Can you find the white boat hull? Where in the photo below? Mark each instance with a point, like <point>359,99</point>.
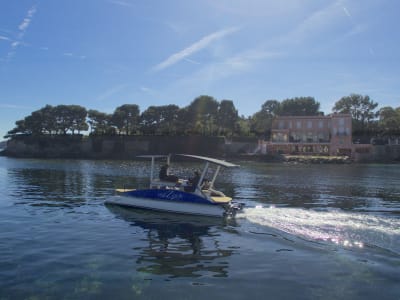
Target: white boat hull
<point>171,206</point>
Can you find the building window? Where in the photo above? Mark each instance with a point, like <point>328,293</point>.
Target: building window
<point>320,124</point>
<point>281,124</point>
<point>279,137</point>
<point>341,121</point>
<point>309,124</point>
<point>298,124</point>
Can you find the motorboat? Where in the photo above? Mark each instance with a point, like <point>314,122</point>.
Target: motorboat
<point>183,196</point>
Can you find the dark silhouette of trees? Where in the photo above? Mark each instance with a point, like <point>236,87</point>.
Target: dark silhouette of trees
<point>159,120</point>
<point>299,106</point>
<point>202,113</point>
<point>70,118</point>
<point>126,119</point>
<point>100,123</point>
<point>389,121</point>
<point>203,116</point>
<point>261,121</point>
<point>227,118</point>
<point>362,110</point>
<point>59,119</point>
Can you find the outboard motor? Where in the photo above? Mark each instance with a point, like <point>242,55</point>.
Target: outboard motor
<point>233,208</point>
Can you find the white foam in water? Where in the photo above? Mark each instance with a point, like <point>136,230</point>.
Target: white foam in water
<point>342,228</point>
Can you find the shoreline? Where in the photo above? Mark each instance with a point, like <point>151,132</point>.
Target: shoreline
<point>129,147</point>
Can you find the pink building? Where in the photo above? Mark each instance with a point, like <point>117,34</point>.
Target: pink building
<point>324,135</point>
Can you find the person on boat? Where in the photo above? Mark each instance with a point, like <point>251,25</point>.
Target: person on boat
<point>193,182</point>
<point>165,176</point>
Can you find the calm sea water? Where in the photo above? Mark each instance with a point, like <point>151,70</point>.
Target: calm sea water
<point>308,232</point>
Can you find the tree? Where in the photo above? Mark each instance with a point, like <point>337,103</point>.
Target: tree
<point>182,121</point>
<point>169,117</point>
<point>20,128</point>
<point>202,115</point>
<point>389,120</point>
<point>361,109</point>
<point>39,122</point>
<point>70,118</point>
<point>227,117</point>
<point>299,106</point>
<point>159,119</point>
<point>242,127</point>
<point>261,121</point>
<point>126,118</point>
<point>150,120</point>
<point>100,123</point>
<point>78,118</point>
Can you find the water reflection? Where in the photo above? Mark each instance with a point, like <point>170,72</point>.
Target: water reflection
<point>41,187</point>
<point>178,246</point>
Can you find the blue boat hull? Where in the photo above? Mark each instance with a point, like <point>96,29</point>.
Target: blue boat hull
<point>172,201</point>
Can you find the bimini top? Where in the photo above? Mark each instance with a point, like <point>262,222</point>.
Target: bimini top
<point>203,158</point>
<point>211,160</point>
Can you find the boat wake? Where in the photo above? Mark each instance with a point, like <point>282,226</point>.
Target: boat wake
<point>333,226</point>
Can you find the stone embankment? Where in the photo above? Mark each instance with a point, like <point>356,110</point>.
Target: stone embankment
<point>310,159</point>
<point>122,147</point>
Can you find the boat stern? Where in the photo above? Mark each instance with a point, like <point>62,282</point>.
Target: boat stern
<point>232,208</point>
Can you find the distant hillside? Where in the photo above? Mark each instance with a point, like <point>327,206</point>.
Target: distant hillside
<point>3,144</point>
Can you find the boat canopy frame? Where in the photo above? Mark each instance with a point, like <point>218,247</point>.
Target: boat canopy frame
<point>208,160</point>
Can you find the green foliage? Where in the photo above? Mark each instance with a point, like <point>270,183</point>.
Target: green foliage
<point>99,122</point>
<point>261,121</point>
<point>299,106</point>
<point>361,108</point>
<point>389,120</point>
<point>242,126</point>
<point>159,120</point>
<point>227,118</point>
<point>204,116</point>
<point>59,119</point>
<point>126,118</point>
<point>70,118</point>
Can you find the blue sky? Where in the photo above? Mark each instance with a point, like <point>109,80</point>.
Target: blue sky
<point>105,53</point>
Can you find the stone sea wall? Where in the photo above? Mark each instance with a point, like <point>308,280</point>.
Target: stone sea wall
<point>128,147</point>
<point>121,147</point>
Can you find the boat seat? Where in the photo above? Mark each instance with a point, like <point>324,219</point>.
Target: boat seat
<point>123,190</point>
<point>220,199</point>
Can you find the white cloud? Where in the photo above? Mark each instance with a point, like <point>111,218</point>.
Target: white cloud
<point>121,3</point>
<point>72,55</point>
<point>21,33</point>
<point>236,64</point>
<point>346,11</point>
<point>197,46</point>
<point>316,23</point>
<point>192,61</point>
<point>27,20</point>
<point>147,90</point>
<point>4,38</point>
<point>111,92</point>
